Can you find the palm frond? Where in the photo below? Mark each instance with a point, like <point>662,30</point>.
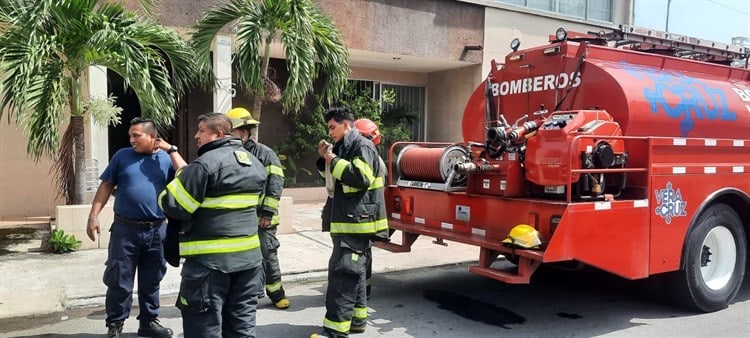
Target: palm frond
<point>332,55</point>
<point>46,46</point>
<point>297,39</point>
<point>209,25</point>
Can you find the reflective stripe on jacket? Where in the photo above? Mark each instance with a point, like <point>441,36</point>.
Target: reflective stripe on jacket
<point>216,197</point>
<point>358,203</point>
<point>269,201</point>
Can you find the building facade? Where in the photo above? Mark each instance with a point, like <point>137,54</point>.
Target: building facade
<point>436,51</point>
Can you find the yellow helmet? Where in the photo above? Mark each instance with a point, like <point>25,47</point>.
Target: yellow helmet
<point>525,236</point>
<point>241,117</point>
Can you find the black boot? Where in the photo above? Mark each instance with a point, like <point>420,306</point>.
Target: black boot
<point>114,330</point>
<point>150,327</point>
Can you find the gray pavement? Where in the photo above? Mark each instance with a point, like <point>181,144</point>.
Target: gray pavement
<point>33,283</point>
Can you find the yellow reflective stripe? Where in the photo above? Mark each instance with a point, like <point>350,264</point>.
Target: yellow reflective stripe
<point>183,198</point>
<point>275,170</point>
<point>275,220</point>
<point>359,228</point>
<point>374,184</point>
<point>378,182</point>
<point>349,189</point>
<point>271,202</point>
<point>342,327</point>
<point>271,288</point>
<point>233,201</point>
<point>217,246</point>
<point>158,199</point>
<point>360,312</point>
<point>338,169</point>
<point>364,168</point>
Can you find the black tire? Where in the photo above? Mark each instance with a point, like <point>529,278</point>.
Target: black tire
<point>714,261</point>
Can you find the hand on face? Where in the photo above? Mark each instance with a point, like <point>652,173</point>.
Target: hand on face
<point>324,147</point>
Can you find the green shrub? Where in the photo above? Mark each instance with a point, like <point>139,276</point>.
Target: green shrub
<point>60,243</point>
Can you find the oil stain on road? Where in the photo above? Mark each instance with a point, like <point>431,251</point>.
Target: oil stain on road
<point>474,309</point>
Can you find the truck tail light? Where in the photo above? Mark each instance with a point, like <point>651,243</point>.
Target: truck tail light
<point>408,205</point>
<point>403,205</point>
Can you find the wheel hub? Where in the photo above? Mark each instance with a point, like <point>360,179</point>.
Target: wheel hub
<point>718,257</point>
<point>705,256</point>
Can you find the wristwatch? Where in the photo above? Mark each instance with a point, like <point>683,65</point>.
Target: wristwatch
<point>172,149</point>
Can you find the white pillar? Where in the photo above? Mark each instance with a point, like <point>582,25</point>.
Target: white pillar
<point>224,91</point>
<point>98,135</point>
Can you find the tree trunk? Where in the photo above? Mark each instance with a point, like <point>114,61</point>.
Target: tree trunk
<point>79,190</point>
<point>257,104</point>
<point>260,95</point>
<point>79,142</point>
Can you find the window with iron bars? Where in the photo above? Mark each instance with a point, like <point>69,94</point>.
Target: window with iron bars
<point>600,10</point>
<point>410,98</point>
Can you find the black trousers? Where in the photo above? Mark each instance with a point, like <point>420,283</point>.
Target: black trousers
<point>218,304</point>
<point>346,297</point>
<point>269,246</point>
<point>134,249</point>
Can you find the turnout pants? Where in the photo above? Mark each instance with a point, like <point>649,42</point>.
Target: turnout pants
<point>269,245</point>
<point>134,248</point>
<point>218,304</point>
<point>346,298</point>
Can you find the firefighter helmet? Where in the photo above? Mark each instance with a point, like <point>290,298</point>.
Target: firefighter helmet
<point>241,117</point>
<point>523,235</point>
<point>368,129</point>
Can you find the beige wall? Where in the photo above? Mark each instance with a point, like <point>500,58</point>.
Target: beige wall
<point>398,26</point>
<point>447,93</point>
<point>26,188</point>
<point>401,78</point>
<point>502,26</point>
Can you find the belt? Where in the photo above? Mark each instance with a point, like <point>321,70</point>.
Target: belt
<point>139,224</point>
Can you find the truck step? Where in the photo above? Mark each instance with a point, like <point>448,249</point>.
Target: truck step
<point>519,275</point>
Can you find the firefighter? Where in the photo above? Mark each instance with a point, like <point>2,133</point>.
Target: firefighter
<point>355,215</point>
<point>268,209</point>
<point>216,197</point>
<point>370,131</point>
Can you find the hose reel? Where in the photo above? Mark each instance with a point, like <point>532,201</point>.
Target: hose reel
<point>431,167</point>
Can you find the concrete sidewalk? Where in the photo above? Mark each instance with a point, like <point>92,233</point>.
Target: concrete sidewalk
<point>39,283</point>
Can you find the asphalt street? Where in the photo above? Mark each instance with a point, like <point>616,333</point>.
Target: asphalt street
<point>448,301</point>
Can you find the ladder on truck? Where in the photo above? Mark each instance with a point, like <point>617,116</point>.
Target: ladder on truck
<point>665,43</point>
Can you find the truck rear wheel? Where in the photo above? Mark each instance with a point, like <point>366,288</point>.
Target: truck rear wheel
<point>714,261</point>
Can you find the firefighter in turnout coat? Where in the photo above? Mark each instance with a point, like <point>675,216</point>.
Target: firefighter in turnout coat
<point>268,209</point>
<point>355,215</point>
<point>216,197</point>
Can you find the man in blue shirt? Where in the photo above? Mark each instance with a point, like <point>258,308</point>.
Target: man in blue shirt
<point>139,173</point>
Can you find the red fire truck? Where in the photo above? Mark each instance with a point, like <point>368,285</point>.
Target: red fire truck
<point>628,151</point>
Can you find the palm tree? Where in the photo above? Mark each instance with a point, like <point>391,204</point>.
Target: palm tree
<point>46,46</point>
<point>312,45</point>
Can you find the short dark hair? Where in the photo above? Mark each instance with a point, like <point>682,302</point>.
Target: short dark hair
<point>340,114</point>
<point>147,124</point>
<point>217,122</point>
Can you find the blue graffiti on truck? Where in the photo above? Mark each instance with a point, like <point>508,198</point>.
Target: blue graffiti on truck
<point>682,97</point>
